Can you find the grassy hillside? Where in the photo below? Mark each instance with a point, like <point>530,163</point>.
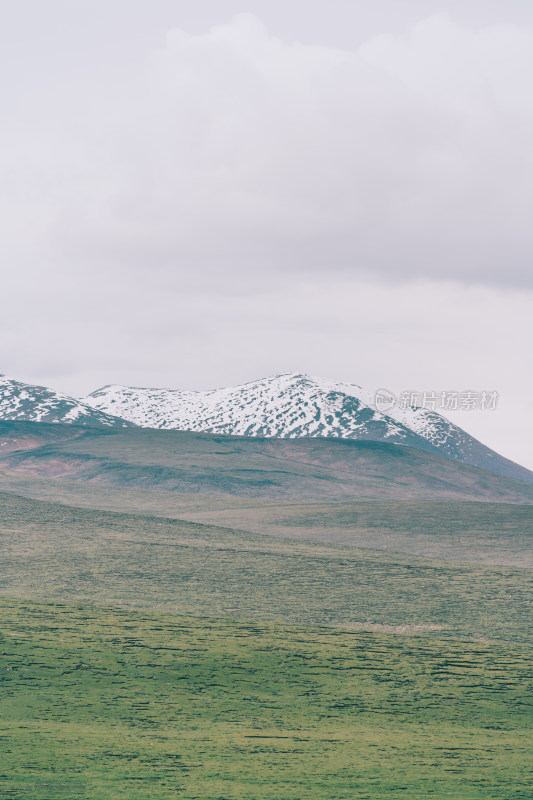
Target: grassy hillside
<point>476,532</point>
<point>109,705</point>
<point>280,469</point>
<point>356,493</point>
<point>80,555</point>
<point>481,533</point>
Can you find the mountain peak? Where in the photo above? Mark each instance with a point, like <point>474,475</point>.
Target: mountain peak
<point>26,402</point>
<point>288,405</point>
<point>292,405</point>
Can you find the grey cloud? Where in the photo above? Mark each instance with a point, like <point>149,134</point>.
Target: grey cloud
<point>234,150</point>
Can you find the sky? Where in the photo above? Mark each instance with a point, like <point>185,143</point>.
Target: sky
<point>199,195</point>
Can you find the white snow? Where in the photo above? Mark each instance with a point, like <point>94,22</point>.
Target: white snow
<point>20,401</point>
<point>287,405</point>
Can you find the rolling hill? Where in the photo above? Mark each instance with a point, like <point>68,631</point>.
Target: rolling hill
<point>246,467</point>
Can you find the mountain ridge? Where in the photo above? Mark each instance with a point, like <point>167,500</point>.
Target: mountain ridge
<point>293,405</point>
<point>290,405</point>
<point>32,403</point>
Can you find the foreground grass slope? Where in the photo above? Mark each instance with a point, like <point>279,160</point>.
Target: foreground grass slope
<point>106,704</point>
<point>79,555</point>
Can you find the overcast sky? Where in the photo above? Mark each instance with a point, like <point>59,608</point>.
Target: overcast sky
<point>200,194</point>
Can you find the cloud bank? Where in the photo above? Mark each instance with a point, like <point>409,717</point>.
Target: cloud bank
<point>235,153</point>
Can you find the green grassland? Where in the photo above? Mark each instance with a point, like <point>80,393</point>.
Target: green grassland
<point>106,704</point>
<point>211,618</point>
<point>480,533</point>
<point>55,552</point>
<point>475,532</point>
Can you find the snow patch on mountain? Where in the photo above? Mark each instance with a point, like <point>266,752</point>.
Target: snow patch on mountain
<point>21,401</point>
<point>288,405</point>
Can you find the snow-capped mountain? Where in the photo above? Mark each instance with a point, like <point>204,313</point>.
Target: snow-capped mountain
<point>22,401</point>
<point>284,406</point>
<point>294,405</point>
